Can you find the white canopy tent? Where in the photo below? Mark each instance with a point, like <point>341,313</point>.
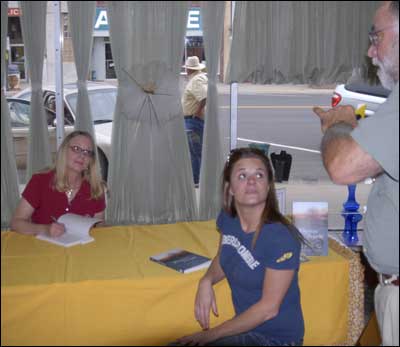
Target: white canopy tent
<point>272,42</point>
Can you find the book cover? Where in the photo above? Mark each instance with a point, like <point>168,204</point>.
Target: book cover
<point>281,197</point>
<point>76,230</point>
<point>182,260</point>
<point>311,218</point>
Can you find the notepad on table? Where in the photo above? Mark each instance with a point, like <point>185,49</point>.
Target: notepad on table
<point>76,230</point>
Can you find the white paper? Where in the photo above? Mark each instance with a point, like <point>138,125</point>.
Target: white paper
<point>76,230</point>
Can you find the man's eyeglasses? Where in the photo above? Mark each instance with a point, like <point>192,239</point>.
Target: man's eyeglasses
<point>85,152</point>
<point>376,36</point>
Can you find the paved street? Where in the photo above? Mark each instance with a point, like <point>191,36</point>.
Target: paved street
<point>286,122</point>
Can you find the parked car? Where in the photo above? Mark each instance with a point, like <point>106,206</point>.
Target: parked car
<point>358,94</point>
<point>102,100</point>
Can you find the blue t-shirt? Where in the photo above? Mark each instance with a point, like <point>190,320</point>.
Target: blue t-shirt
<point>244,267</point>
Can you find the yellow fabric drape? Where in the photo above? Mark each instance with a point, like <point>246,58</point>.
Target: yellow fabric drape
<point>108,292</point>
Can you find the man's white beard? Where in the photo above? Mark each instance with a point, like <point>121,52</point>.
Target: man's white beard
<point>387,70</point>
<point>387,81</point>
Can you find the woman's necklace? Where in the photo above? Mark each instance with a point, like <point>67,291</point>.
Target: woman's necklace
<point>69,193</point>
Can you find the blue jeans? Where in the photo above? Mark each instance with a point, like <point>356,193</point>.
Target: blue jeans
<point>194,131</point>
<point>252,339</point>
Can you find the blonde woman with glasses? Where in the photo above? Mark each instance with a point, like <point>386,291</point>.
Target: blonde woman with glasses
<point>73,185</point>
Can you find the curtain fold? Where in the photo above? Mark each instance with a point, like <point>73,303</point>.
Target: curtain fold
<point>9,175</point>
<point>316,42</point>
<point>150,176</point>
<point>212,157</point>
<point>33,22</point>
<point>82,16</point>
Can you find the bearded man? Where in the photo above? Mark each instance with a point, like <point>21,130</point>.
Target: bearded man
<point>355,150</point>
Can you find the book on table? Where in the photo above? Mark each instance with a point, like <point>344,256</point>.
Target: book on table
<point>311,218</point>
<point>76,230</point>
<point>181,260</point>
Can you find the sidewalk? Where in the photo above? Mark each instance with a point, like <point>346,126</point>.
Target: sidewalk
<point>249,88</point>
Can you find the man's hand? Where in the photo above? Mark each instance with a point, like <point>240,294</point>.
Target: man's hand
<point>335,115</point>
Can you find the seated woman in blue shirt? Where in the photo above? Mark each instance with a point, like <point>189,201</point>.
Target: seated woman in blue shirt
<point>259,255</point>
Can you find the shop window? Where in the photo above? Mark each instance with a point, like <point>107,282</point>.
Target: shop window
<point>193,46</point>
<point>110,67</point>
<point>14,30</point>
<point>17,57</point>
<point>66,26</point>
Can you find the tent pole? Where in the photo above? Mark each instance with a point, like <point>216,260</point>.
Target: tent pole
<point>234,98</point>
<point>58,43</point>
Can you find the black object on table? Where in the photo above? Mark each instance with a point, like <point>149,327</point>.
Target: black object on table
<point>281,163</point>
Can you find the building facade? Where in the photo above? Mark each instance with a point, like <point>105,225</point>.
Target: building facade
<point>102,65</point>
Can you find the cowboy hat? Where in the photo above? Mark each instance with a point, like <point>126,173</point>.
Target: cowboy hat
<point>193,63</point>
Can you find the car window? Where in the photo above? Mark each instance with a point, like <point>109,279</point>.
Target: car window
<point>49,100</point>
<point>19,114</point>
<point>102,104</point>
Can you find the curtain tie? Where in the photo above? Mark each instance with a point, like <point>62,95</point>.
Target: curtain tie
<point>149,87</point>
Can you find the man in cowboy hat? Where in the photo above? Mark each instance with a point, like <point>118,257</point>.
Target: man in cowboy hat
<point>193,102</point>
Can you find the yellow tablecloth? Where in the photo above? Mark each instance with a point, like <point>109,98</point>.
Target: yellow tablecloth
<point>108,292</point>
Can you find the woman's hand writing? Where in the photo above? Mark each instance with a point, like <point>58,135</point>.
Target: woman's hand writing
<point>56,229</point>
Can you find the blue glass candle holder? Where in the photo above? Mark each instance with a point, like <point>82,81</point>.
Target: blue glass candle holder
<point>351,217</point>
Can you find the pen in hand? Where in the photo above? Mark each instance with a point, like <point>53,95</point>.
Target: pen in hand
<point>58,230</point>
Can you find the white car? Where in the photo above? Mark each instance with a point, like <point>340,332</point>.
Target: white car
<point>359,94</point>
<point>102,99</point>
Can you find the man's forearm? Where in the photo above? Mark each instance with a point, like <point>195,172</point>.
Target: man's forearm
<point>335,148</point>
<point>337,131</point>
<point>344,160</point>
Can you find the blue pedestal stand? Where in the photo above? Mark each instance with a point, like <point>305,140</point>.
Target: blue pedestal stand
<point>351,217</point>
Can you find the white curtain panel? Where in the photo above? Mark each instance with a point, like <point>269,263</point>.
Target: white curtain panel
<point>33,20</point>
<point>150,176</point>
<point>82,15</point>
<point>9,177</point>
<point>314,42</point>
<point>212,157</point>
